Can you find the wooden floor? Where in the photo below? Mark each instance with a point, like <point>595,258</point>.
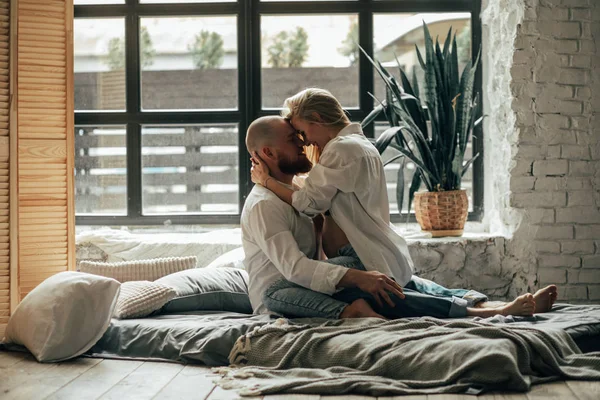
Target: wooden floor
<point>21,377</point>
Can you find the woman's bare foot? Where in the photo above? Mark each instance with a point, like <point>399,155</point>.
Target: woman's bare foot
<point>359,309</point>
<point>523,305</point>
<point>545,298</point>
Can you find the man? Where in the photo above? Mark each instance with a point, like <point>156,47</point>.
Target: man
<point>279,243</point>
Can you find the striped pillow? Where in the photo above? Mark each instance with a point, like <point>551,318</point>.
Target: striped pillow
<point>138,270</point>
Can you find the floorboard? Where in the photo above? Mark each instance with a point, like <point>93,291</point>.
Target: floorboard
<point>219,393</point>
<point>23,378</point>
<point>49,380</point>
<point>144,382</point>
<point>551,391</point>
<point>585,390</point>
<point>503,396</point>
<point>96,381</point>
<point>192,382</point>
<point>8,359</point>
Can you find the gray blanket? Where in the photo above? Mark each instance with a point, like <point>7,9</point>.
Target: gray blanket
<point>426,355</point>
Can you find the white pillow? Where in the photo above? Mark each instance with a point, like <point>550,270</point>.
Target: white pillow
<point>139,270</point>
<point>64,316</point>
<point>231,259</point>
<point>141,298</point>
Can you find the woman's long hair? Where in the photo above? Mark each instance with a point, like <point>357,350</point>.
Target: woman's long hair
<point>315,105</point>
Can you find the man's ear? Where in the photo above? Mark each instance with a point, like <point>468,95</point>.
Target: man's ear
<point>266,153</point>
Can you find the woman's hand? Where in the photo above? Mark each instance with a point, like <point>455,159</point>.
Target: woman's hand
<point>259,171</point>
<point>378,285</point>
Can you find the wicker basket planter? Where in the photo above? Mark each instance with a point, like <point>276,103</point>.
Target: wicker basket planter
<point>442,213</point>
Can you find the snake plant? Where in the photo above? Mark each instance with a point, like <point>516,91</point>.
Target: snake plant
<point>447,102</point>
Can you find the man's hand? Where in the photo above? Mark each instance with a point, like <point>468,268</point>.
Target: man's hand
<point>259,171</point>
<point>375,283</point>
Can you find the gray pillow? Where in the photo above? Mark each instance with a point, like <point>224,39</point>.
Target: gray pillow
<point>222,289</point>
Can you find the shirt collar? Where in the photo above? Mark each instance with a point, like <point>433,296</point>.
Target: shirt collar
<point>352,129</point>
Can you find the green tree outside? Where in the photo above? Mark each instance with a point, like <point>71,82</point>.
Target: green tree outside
<point>288,49</point>
<point>349,46</point>
<point>463,44</point>
<point>207,50</point>
<point>116,51</point>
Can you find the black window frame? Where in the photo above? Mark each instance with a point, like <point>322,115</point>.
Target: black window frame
<point>248,13</point>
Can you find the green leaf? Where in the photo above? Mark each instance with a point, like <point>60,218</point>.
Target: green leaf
<point>420,57</point>
<point>415,83</point>
<point>372,116</point>
<point>414,187</point>
<point>383,141</point>
<point>468,164</point>
<point>400,185</point>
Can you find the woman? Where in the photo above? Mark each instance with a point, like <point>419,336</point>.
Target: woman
<point>348,184</point>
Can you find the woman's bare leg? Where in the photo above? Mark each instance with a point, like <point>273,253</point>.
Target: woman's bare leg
<point>523,305</point>
<point>545,298</point>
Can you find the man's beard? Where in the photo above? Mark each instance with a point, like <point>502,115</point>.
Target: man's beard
<point>300,166</point>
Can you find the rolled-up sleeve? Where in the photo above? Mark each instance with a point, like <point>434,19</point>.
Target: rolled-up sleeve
<point>271,232</point>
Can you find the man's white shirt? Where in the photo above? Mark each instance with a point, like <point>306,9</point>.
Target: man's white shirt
<point>278,244</point>
<point>349,180</point>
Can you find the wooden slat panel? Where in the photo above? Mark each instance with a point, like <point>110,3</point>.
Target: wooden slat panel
<point>44,97</point>
<point>5,165</point>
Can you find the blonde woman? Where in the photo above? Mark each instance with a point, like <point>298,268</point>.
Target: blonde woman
<point>348,185</point>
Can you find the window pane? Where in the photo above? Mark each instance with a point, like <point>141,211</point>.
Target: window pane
<point>78,2</point>
<point>187,1</point>
<point>190,169</point>
<point>395,35</point>
<point>301,51</point>
<point>99,64</point>
<point>100,170</point>
<point>189,63</point>
<point>392,169</point>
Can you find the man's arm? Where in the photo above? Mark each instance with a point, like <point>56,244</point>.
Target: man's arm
<point>270,228</point>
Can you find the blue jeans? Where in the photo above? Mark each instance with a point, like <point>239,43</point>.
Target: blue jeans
<point>292,300</point>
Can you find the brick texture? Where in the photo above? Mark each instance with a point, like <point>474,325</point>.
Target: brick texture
<point>556,178</point>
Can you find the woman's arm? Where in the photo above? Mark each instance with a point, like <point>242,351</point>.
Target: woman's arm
<point>260,174</point>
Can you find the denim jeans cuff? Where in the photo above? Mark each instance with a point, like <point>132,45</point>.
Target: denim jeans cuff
<point>458,308</point>
<point>473,297</point>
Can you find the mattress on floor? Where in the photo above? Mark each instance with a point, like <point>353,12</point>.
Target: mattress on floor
<point>207,337</point>
<point>204,337</point>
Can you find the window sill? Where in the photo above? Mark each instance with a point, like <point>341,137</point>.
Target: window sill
<point>474,231</point>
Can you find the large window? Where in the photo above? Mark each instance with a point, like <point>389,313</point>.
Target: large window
<point>165,90</point>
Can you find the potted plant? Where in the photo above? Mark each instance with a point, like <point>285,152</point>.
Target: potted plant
<point>432,130</point>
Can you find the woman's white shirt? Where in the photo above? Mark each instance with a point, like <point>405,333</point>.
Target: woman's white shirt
<point>349,180</point>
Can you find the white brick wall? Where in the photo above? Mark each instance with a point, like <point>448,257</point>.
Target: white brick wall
<point>556,177</point>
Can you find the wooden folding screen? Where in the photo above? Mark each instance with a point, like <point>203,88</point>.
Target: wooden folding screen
<point>4,162</point>
<point>42,220</point>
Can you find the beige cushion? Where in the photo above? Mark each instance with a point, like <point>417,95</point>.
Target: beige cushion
<point>141,298</point>
<point>64,316</point>
<point>139,270</point>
